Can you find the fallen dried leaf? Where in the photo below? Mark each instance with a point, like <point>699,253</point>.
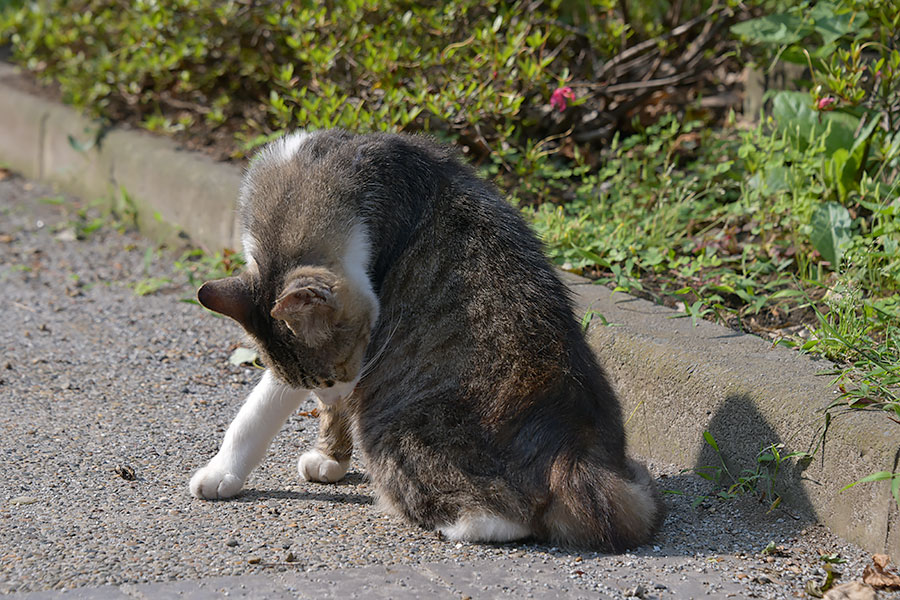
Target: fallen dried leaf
<point>853,590</point>
<point>125,472</point>
<point>878,576</point>
<point>67,235</point>
<point>23,500</point>
<point>242,356</point>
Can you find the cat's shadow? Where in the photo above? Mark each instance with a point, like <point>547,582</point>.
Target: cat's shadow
<point>316,492</point>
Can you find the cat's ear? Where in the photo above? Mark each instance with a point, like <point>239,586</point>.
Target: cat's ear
<point>309,308</point>
<point>229,297</point>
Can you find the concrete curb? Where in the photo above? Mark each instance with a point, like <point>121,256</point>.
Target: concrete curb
<point>169,188</point>
<point>675,380</point>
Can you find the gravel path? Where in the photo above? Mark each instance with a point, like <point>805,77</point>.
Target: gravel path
<point>97,383</point>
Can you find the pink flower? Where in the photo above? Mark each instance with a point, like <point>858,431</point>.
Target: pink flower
<point>559,97</point>
<point>825,102</point>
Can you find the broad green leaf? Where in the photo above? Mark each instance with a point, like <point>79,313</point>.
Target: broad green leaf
<point>710,440</point>
<point>773,29</point>
<point>831,232</point>
<point>832,26</point>
<point>793,113</point>
<point>841,170</point>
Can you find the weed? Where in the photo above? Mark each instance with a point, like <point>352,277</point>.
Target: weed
<point>589,316</point>
<point>199,267</point>
<point>759,481</point>
<point>894,478</point>
<point>150,285</point>
<point>194,264</point>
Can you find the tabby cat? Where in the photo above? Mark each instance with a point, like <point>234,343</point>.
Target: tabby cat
<point>387,279</point>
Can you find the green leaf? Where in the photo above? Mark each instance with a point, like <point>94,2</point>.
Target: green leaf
<point>710,440</point>
<point>793,114</point>
<point>150,285</point>
<point>879,476</point>
<point>591,256</point>
<point>840,172</point>
<point>786,293</point>
<point>773,29</point>
<point>831,231</point>
<point>81,146</point>
<point>833,26</point>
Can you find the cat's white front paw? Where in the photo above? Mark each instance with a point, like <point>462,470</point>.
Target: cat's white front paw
<point>316,466</point>
<point>210,483</point>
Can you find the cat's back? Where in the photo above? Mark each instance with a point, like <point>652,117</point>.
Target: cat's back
<point>471,308</point>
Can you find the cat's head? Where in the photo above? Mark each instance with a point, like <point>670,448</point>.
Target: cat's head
<point>312,326</point>
<point>306,296</point>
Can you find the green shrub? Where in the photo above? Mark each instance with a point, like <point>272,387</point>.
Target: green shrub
<point>726,222</point>
<point>481,70</point>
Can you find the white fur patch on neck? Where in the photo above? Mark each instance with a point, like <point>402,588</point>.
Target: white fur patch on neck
<point>336,393</point>
<point>286,147</point>
<point>249,244</point>
<point>356,264</point>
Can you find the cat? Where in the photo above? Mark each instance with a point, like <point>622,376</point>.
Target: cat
<point>390,281</point>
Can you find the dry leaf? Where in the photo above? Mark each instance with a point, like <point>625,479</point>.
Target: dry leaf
<point>878,576</point>
<point>853,590</point>
<point>243,356</point>
<point>125,472</point>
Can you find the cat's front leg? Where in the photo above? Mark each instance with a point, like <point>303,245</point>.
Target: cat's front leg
<point>329,460</point>
<point>248,437</point>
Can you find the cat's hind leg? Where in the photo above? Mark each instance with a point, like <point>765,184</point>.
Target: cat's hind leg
<point>248,437</point>
<point>329,460</point>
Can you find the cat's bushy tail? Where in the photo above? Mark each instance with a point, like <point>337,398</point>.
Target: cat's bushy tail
<point>593,506</point>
